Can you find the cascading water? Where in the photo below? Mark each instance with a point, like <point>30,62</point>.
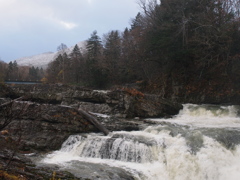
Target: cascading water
<point>201,143</point>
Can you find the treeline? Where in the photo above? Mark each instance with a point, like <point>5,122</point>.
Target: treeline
<point>102,63</point>
<point>179,48</point>
<point>13,72</point>
<point>175,44</point>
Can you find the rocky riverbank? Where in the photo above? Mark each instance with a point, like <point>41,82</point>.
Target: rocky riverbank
<point>47,114</point>
<point>125,103</point>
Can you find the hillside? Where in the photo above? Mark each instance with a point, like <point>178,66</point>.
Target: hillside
<point>42,60</point>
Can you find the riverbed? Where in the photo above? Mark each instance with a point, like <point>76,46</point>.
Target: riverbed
<point>200,143</point>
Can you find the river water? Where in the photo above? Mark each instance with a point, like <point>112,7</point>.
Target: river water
<point>201,143</point>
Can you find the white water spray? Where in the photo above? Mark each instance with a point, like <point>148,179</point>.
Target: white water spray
<point>197,144</point>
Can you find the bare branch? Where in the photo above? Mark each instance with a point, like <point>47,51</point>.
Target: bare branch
<point>9,112</point>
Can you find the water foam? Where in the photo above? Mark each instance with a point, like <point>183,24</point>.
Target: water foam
<point>164,152</point>
<point>206,116</point>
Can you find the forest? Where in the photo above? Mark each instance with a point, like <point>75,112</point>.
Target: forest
<point>13,72</point>
<point>176,46</point>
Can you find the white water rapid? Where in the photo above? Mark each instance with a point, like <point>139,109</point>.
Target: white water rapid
<point>201,143</point>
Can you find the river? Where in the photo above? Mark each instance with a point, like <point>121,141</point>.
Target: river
<point>200,143</point>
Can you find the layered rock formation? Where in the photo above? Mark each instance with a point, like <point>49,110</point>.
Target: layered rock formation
<point>47,114</point>
<point>45,119</point>
<point>119,103</point>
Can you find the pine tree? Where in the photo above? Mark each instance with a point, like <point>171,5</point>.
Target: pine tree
<point>127,66</point>
<point>95,69</point>
<point>112,54</point>
<point>76,53</point>
<point>94,46</point>
<point>10,66</point>
<point>77,65</point>
<point>34,73</point>
<point>138,22</point>
<point>12,71</point>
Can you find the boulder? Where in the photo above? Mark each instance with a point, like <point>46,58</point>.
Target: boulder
<point>152,106</point>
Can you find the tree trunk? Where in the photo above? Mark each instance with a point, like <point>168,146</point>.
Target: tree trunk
<point>8,103</point>
<point>94,121</point>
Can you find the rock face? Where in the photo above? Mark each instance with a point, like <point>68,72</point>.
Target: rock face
<point>15,164</point>
<point>48,114</point>
<point>119,103</point>
<point>152,106</point>
<point>43,126</point>
<point>45,120</point>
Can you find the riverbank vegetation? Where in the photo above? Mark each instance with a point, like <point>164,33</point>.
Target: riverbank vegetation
<point>176,46</point>
<point>13,72</point>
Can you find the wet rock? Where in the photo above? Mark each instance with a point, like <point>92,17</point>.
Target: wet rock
<point>7,92</point>
<point>17,164</point>
<point>119,103</point>
<point>93,171</point>
<point>152,106</point>
<point>44,126</point>
<point>41,122</point>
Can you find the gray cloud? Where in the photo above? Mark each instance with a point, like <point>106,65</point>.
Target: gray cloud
<point>31,27</point>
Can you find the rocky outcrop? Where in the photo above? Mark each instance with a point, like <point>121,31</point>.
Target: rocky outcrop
<point>45,120</point>
<point>44,126</point>
<point>119,103</point>
<point>152,106</point>
<point>6,91</point>
<point>37,128</point>
<point>48,114</point>
<point>15,164</point>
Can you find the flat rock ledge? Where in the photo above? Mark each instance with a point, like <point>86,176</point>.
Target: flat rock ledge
<point>119,103</point>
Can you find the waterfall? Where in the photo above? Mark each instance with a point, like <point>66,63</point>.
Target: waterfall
<point>201,143</point>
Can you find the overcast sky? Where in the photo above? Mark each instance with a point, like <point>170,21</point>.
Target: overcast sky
<point>30,27</point>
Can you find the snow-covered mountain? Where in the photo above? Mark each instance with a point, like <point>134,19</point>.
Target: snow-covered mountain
<point>42,60</point>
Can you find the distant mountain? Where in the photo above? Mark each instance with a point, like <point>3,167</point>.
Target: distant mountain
<point>42,60</point>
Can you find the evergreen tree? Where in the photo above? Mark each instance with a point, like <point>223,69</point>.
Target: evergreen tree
<point>10,66</point>
<point>112,53</point>
<point>12,73</point>
<point>64,67</point>
<point>77,65</point>
<point>94,46</point>
<point>189,41</point>
<point>34,73</point>
<point>76,53</point>
<point>3,71</point>
<point>138,22</point>
<point>95,70</point>
<point>15,65</point>
<point>127,66</point>
<point>54,70</point>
